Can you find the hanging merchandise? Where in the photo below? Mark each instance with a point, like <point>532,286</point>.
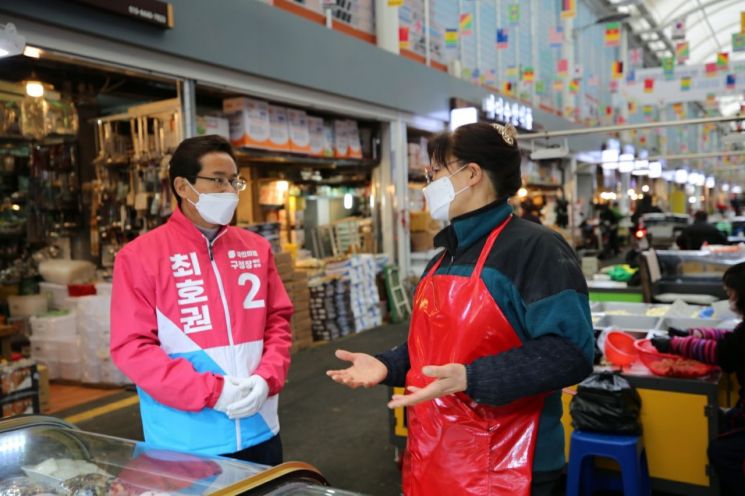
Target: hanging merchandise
<point>613,34</point>
<point>635,57</point>
<point>738,42</point>
<point>679,29</point>
<point>648,85</point>
<point>513,13</point>
<point>491,78</point>
<point>451,38</point>
<point>711,69</point>
<point>540,87</point>
<point>730,81</point>
<point>631,77</point>
<point>617,69</point>
<point>395,3</point>
<point>466,24</point>
<point>632,107</point>
<point>574,86</point>
<point>613,86</point>
<point>568,9</point>
<point>682,52</point>
<point>594,81</point>
<point>403,38</point>
<point>579,71</point>
<point>558,85</point>
<point>679,110</point>
<point>668,68</point>
<point>528,75</point>
<point>512,73</point>
<point>685,83</point>
<point>723,61</point>
<point>502,38</point>
<point>507,88</point>
<point>556,36</point>
<point>562,67</point>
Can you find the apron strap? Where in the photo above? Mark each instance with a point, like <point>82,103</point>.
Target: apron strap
<point>484,253</point>
<point>488,246</point>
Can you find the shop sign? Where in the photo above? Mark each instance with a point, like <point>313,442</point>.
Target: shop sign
<point>154,12</point>
<point>499,109</point>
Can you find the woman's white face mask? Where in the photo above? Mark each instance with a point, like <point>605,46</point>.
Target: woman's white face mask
<point>215,208</point>
<point>440,194</point>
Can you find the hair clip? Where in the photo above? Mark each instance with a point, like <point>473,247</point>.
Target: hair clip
<point>508,133</point>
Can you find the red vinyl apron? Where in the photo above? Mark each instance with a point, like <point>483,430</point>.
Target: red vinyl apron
<point>457,446</point>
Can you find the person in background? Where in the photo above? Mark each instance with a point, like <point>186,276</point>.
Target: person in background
<point>500,323</point>
<point>726,350</point>
<point>200,320</point>
<point>532,214</point>
<point>610,217</point>
<point>700,232</point>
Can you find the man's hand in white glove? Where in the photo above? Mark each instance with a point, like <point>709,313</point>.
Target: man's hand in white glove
<point>231,392</point>
<point>255,392</point>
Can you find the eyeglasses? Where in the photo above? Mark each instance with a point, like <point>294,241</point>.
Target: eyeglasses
<point>237,183</point>
<point>430,171</point>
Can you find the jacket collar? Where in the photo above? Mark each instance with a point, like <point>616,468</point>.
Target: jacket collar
<point>186,227</point>
<point>467,229</point>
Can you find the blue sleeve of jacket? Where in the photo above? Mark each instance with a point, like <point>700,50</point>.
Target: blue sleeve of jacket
<point>398,365</point>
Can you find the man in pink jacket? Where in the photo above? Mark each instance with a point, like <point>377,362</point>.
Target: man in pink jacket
<point>200,320</point>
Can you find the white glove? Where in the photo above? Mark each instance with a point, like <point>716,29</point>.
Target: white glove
<point>255,392</point>
<point>231,392</point>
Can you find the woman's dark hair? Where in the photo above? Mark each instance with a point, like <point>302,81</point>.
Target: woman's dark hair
<point>734,279</point>
<point>492,146</point>
<point>185,161</point>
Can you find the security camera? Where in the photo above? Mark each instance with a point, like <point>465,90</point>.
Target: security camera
<point>11,43</point>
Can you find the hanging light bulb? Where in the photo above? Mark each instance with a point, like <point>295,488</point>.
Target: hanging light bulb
<point>34,88</point>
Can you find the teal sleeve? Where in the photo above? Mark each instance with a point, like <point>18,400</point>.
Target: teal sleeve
<point>565,314</point>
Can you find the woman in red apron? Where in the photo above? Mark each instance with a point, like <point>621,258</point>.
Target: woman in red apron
<point>500,324</point>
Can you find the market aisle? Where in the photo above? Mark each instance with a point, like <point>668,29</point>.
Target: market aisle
<point>342,432</point>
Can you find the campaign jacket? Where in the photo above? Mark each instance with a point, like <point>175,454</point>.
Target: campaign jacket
<point>185,312</point>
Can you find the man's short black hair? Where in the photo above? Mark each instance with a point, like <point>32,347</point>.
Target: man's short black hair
<point>185,161</point>
<point>700,216</point>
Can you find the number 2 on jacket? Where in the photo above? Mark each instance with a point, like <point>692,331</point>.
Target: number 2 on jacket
<point>250,302</point>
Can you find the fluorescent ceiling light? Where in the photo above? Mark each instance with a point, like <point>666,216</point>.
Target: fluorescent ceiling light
<point>655,169</point>
<point>681,176</point>
<point>11,43</point>
<point>462,116</point>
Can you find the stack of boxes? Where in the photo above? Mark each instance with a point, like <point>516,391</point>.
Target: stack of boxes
<point>296,285</point>
<point>347,299</point>
<point>19,388</point>
<point>423,230</point>
<point>74,344</point>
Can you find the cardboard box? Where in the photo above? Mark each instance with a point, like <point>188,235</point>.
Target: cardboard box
<point>249,122</point>
<point>422,241</point>
<point>341,138</point>
<point>317,136</point>
<point>20,404</point>
<point>299,131</point>
<point>279,138</point>
<point>208,124</point>
<point>18,377</point>
<point>353,140</point>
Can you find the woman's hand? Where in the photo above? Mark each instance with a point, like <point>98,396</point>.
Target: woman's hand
<point>450,379</point>
<point>366,370</point>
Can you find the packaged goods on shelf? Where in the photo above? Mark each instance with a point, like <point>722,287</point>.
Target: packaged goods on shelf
<point>249,120</point>
<point>210,124</point>
<point>317,136</point>
<point>269,231</point>
<point>353,140</point>
<point>19,388</point>
<point>279,138</point>
<point>299,131</point>
<point>341,138</point>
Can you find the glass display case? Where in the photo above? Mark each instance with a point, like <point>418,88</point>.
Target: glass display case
<point>46,456</point>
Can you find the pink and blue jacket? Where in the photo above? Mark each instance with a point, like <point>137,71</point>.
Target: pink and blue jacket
<point>184,313</point>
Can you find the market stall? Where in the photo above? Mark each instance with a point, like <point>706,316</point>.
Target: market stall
<point>44,455</point>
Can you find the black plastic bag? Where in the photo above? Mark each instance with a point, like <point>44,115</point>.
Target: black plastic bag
<point>606,402</point>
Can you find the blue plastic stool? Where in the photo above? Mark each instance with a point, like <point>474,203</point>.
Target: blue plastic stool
<point>628,451</point>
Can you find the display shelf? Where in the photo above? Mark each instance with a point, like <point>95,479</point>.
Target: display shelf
<point>267,157</point>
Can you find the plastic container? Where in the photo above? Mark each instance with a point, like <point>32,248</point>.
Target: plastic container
<point>68,349</point>
<point>667,365</point>
<point>620,349</point>
<point>628,322</point>
<point>44,349</point>
<point>683,323</point>
<point>69,370</point>
<point>56,293</point>
<point>28,305</point>
<point>61,326</point>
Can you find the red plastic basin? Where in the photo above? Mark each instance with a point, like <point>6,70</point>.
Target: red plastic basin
<point>620,349</point>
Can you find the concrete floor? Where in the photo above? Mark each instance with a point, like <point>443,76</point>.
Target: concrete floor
<point>342,432</point>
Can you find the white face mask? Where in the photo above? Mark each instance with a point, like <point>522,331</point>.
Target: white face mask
<point>216,208</point>
<point>440,194</point>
